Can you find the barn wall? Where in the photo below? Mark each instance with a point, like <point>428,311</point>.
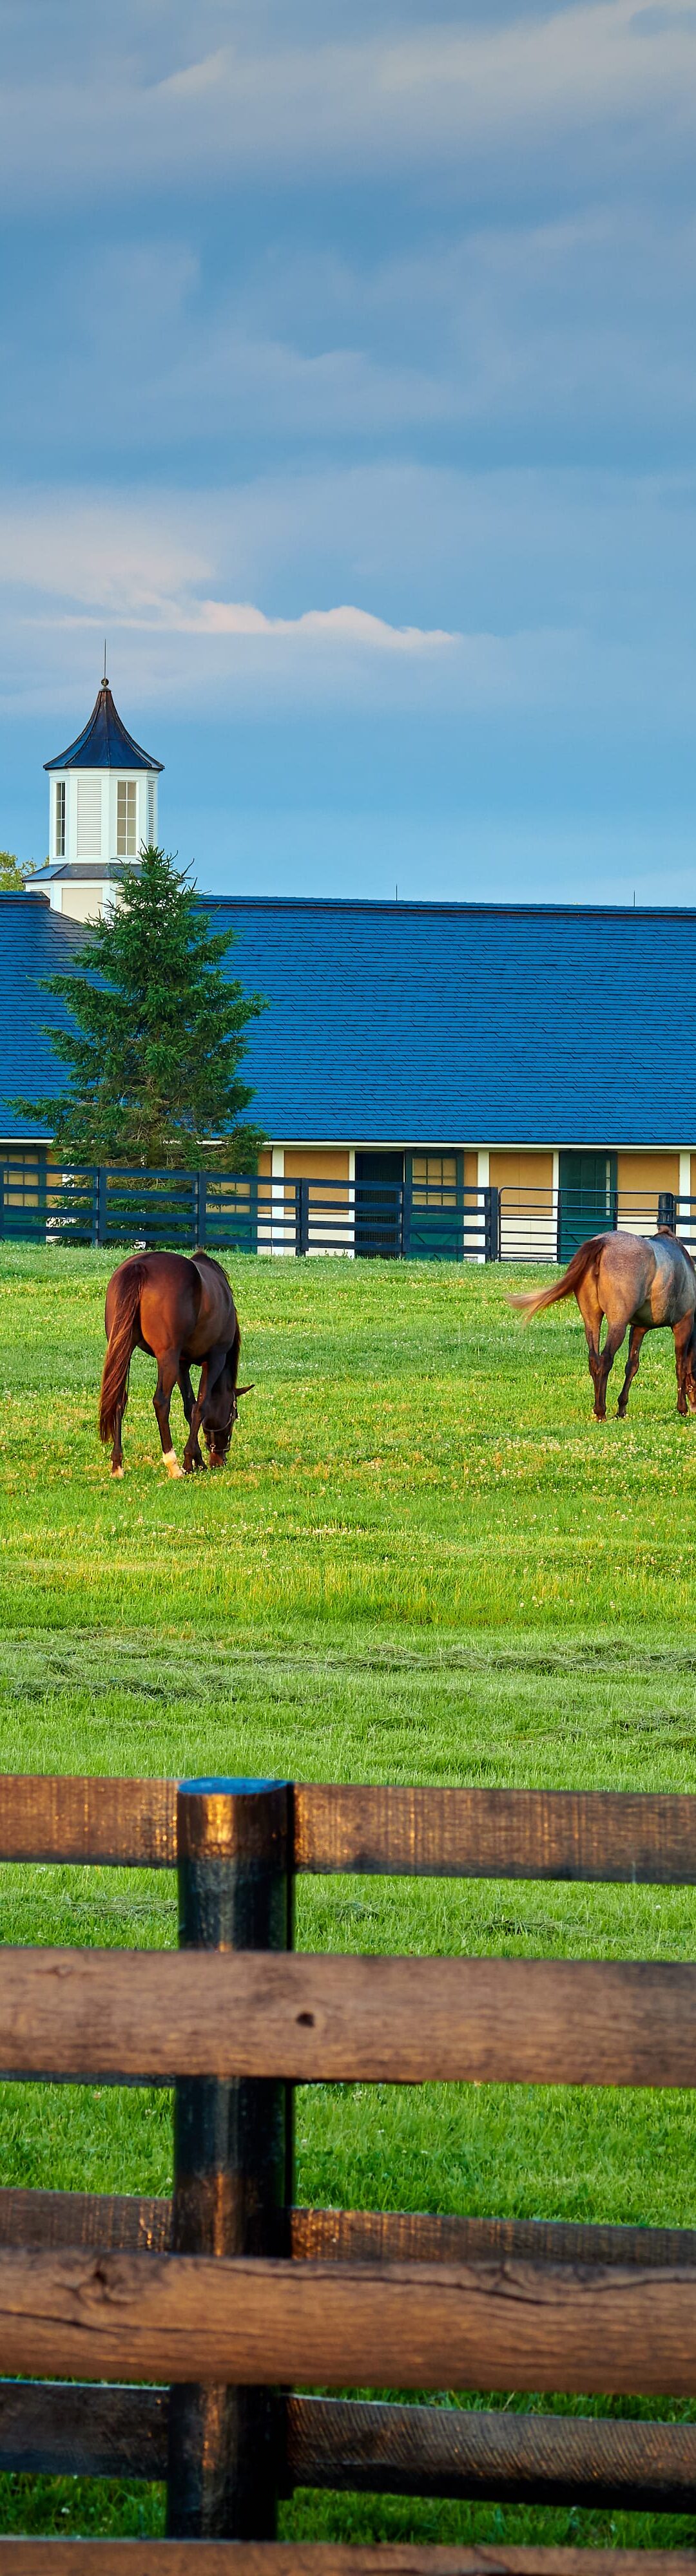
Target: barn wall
<point>527,1215</point>
<point>647,1173</point>
<point>640,1178</point>
<point>513,1172</point>
<point>316,1163</point>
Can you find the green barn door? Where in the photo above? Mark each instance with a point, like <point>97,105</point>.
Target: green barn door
<point>587,1192</point>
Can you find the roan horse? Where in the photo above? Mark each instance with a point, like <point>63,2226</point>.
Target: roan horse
<point>637,1279</point>
<point>177,1311</point>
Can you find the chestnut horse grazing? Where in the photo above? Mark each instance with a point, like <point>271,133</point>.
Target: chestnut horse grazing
<point>637,1279</point>
<point>177,1311</point>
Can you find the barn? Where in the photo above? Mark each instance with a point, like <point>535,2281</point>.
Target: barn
<point>544,1052</point>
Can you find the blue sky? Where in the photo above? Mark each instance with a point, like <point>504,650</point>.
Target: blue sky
<point>350,390</point>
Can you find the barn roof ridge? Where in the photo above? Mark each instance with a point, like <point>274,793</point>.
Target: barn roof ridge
<point>449,905</point>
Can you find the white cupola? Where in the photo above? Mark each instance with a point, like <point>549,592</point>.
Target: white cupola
<point>103,811</point>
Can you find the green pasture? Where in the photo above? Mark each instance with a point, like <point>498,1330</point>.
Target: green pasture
<point>425,1561</point>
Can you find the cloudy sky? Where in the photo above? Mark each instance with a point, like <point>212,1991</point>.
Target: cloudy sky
<point>350,389</point>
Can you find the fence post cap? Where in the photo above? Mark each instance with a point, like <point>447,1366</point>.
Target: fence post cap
<point>220,1787</point>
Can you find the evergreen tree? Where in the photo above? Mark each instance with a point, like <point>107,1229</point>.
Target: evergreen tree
<point>157,1036</point>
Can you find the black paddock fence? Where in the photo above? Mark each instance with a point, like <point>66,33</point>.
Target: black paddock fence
<point>396,1220</point>
<point>163,2339</point>
<point>259,1213</point>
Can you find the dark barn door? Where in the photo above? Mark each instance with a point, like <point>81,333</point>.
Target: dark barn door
<point>587,1194</point>
<point>378,1205</point>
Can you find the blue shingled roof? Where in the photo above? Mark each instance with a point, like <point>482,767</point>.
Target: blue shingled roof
<point>427,1024</point>
<point>33,942</point>
<point>104,744</point>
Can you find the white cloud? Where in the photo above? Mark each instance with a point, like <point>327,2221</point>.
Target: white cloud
<point>128,562</point>
<point>532,591</point>
<point>355,627</point>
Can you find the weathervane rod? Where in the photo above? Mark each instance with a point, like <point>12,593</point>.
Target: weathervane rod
<point>104,678</point>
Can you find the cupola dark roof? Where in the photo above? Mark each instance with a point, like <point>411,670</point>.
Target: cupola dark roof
<point>104,744</point>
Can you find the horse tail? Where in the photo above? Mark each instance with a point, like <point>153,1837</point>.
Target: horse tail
<point>582,1261</point>
<point>121,1345</point>
<point>234,1351</point>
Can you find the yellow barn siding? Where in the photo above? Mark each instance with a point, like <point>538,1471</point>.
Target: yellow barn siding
<point>527,1214</point>
<point>640,1178</point>
<point>264,1162</point>
<point>515,1172</point>
<point>316,1163</point>
<point>648,1173</point>
<point>471,1170</point>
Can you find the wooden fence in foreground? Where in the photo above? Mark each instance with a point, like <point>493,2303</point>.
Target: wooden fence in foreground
<point>201,2313</point>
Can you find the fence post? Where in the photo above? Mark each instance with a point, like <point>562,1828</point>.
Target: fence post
<point>302,1217</point>
<point>101,1230</point>
<point>202,1210</point>
<point>491,1222</point>
<point>406,1216</point>
<point>232,2153</point>
<point>667,1210</point>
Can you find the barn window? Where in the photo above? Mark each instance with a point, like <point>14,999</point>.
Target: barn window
<point>434,1180</point>
<point>60,819</point>
<point>125,818</point>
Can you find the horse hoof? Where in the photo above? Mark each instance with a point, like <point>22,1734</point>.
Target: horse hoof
<point>172,1464</point>
<point>117,1471</point>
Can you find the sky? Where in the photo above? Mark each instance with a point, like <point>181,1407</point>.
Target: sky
<point>349,383</point>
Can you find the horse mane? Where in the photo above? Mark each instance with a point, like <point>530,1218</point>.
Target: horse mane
<point>235,1345</point>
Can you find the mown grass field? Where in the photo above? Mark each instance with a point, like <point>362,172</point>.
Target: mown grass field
<point>425,1561</point>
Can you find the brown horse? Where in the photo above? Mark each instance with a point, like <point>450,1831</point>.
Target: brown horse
<point>177,1311</point>
<point>637,1279</point>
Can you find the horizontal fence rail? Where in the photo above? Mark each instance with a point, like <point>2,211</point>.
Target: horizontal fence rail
<point>120,2223</point>
<point>526,2326</point>
<point>63,2428</point>
<point>148,2017</point>
<point>604,1835</point>
<point>327,2558</point>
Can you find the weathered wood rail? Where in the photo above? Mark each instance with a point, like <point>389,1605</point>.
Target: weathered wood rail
<point>229,2293</point>
<point>609,1835</point>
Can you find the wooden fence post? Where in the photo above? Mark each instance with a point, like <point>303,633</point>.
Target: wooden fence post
<point>232,2153</point>
<point>301,1216</point>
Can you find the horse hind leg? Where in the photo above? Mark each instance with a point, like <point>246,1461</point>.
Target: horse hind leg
<point>592,1314</point>
<point>117,1452</point>
<point>615,1334</point>
<point>637,1335</point>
